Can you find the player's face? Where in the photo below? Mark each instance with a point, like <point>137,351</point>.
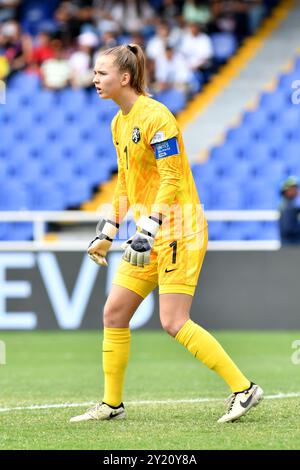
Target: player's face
<point>107,78</point>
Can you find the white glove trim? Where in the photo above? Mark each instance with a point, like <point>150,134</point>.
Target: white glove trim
<point>110,230</point>
<point>149,225</point>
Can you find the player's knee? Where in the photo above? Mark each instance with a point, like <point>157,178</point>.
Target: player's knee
<point>169,326</point>
<point>111,315</point>
<point>172,323</point>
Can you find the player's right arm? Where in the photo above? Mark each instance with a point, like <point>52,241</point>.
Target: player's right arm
<point>108,226</point>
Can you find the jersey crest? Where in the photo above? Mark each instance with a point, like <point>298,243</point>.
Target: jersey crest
<point>136,135</point>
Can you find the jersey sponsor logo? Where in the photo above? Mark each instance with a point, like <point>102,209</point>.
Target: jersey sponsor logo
<point>159,137</point>
<point>168,148</point>
<point>136,135</point>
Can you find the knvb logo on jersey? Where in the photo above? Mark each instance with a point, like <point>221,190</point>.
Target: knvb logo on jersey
<point>136,135</point>
<point>2,92</point>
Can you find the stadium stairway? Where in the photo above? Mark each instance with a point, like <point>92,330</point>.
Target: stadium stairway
<point>240,82</point>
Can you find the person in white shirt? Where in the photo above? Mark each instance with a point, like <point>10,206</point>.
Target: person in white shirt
<point>81,60</point>
<point>196,47</point>
<point>157,44</point>
<point>172,71</point>
<point>56,72</point>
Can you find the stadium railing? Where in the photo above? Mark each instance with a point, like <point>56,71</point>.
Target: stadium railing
<point>41,219</point>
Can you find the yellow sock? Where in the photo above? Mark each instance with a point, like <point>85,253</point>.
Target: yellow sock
<point>206,348</point>
<point>116,345</point>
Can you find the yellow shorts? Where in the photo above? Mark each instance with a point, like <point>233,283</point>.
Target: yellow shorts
<point>174,266</point>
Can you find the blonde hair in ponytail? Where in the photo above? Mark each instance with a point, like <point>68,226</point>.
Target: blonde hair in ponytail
<point>130,58</point>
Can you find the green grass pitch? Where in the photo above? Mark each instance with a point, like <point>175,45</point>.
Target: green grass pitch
<point>49,368</point>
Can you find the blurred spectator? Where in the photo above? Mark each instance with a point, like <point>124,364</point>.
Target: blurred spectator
<point>103,18</point>
<point>43,49</point>
<point>132,15</point>
<point>196,47</point>
<point>9,10</point>
<point>197,11</point>
<point>81,61</point>
<point>289,222</point>
<point>109,39</point>
<point>256,13</point>
<point>154,23</point>
<point>170,9</point>
<point>56,72</point>
<point>137,38</point>
<point>172,71</point>
<point>36,14</point>
<point>231,16</point>
<point>157,44</point>
<point>71,16</point>
<point>14,46</point>
<point>4,67</point>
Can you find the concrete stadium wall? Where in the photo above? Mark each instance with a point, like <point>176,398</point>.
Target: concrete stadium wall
<point>236,290</point>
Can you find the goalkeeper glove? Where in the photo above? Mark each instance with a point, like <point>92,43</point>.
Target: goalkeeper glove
<point>138,248</point>
<point>106,230</point>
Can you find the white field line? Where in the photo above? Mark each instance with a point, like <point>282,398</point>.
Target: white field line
<point>278,396</point>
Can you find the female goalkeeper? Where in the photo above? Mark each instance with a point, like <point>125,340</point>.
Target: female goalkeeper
<point>155,181</point>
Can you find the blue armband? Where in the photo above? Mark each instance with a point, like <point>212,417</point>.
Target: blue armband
<point>168,148</point>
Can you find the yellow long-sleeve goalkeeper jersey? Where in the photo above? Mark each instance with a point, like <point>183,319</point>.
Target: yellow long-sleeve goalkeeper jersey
<point>153,170</point>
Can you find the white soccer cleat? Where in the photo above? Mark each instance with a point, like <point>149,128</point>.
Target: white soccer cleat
<point>101,412</point>
<point>240,403</point>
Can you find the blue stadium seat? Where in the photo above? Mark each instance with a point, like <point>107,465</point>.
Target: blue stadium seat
<point>234,169</point>
<point>205,194</point>
<point>232,231</point>
<point>274,102</point>
<point>224,45</point>
<point>271,173</point>
<point>205,172</point>
<point>71,135</point>
<point>258,152</point>
<point>25,170</point>
<point>58,173</point>
<point>37,135</point>
<point>289,117</point>
<point>93,170</point>
<point>289,153</point>
<point>4,230</point>
<point>3,169</point>
<point>13,196</point>
<point>226,195</point>
<point>255,118</point>
<point>175,100</point>
<point>45,101</point>
<point>25,81</point>
<point>76,191</point>
<point>257,195</point>
<point>216,230</point>
<point>286,80</point>
<point>19,231</point>
<point>268,231</point>
<point>46,195</point>
<point>227,151</point>
<point>71,100</point>
<point>239,135</point>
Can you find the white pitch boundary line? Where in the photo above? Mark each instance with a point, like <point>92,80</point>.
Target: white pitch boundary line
<point>278,396</point>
